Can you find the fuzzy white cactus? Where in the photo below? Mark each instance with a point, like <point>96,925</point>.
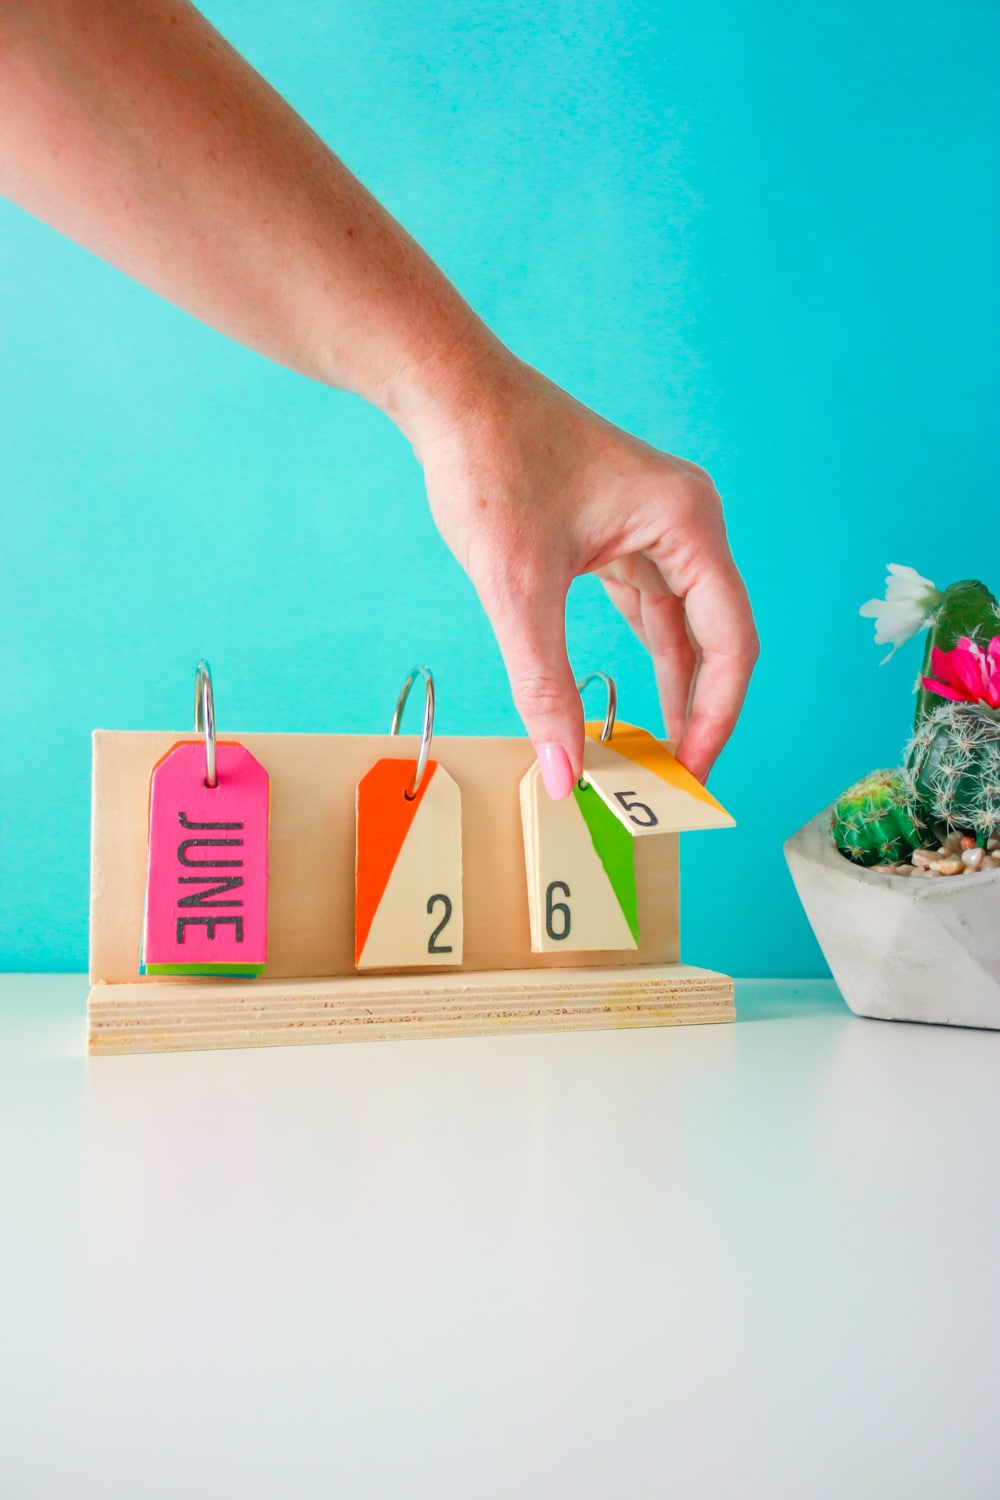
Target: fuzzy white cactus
<point>953,767</point>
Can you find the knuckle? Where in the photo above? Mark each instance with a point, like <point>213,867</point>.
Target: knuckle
<point>748,653</point>
<point>700,476</point>
<point>700,500</point>
<point>705,495</point>
<point>511,578</point>
<point>739,659</point>
<point>538,695</point>
<point>745,662</point>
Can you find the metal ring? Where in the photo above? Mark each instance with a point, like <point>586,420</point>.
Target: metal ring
<point>204,718</point>
<point>612,709</point>
<point>428,730</point>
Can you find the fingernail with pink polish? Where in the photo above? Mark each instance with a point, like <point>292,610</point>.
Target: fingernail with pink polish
<point>557,773</point>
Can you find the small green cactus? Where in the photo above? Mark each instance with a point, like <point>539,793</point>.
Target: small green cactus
<point>876,822</point>
<point>953,767</point>
<point>966,609</point>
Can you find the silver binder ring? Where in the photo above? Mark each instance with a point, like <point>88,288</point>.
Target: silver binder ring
<point>428,730</point>
<point>204,718</point>
<point>612,691</point>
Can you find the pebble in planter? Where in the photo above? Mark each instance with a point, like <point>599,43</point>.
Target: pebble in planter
<point>900,878</point>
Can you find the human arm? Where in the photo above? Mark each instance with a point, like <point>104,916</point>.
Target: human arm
<point>133,127</point>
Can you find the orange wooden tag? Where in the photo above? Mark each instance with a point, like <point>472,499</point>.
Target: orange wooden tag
<point>646,787</point>
<point>408,911</point>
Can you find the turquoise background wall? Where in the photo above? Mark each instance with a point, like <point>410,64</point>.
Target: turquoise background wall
<point>760,235</point>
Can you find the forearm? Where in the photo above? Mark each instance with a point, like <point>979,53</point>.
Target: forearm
<point>134,128</point>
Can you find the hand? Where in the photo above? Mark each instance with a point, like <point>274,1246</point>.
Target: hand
<point>530,489</point>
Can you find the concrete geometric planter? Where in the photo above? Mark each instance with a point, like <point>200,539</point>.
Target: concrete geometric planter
<point>901,949</point>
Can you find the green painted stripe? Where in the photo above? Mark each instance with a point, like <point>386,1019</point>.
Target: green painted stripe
<point>205,971</point>
<point>615,849</point>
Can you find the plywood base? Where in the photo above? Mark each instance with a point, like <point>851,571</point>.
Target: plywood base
<point>188,1015</point>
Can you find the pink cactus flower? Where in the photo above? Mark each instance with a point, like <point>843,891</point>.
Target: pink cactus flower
<point>968,674</point>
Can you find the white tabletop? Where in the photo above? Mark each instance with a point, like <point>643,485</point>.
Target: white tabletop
<point>729,1261</point>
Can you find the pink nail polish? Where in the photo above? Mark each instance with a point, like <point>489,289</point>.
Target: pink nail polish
<point>557,773</point>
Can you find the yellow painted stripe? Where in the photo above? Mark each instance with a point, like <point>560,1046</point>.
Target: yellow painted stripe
<point>638,745</point>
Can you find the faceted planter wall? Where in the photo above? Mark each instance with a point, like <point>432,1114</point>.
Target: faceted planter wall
<point>901,949</point>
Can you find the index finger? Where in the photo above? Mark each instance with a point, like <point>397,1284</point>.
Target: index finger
<point>721,625</point>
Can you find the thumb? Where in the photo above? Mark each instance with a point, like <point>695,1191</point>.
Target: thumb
<point>531,634</point>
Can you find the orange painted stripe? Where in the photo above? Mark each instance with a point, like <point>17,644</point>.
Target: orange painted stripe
<point>385,815</point>
<point>639,746</point>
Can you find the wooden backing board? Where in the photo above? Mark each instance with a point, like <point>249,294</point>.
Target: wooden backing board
<point>311,856</point>
<point>173,1016</point>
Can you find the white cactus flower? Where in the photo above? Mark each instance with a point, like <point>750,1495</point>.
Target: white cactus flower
<point>909,603</point>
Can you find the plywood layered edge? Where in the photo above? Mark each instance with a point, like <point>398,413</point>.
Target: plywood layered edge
<point>195,1015</point>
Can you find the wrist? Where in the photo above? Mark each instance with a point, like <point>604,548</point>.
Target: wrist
<point>449,386</point>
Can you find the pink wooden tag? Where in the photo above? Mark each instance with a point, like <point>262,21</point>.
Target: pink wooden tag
<point>206,891</point>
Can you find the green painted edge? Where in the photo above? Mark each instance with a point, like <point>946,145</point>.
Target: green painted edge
<point>240,971</point>
<point>615,849</point>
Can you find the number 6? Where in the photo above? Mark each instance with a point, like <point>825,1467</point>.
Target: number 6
<point>551,907</point>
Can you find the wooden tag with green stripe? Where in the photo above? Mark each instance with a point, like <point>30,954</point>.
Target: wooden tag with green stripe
<point>579,862</point>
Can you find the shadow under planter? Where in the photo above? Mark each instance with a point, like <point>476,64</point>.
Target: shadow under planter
<point>901,948</point>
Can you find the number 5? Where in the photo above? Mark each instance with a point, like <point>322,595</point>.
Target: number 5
<point>649,821</point>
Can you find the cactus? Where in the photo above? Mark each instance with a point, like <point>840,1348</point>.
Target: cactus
<point>953,767</point>
<point>876,820</point>
<point>966,609</point>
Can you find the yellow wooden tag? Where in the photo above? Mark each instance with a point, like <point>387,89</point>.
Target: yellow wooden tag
<point>646,787</point>
<point>579,863</point>
<point>408,911</point>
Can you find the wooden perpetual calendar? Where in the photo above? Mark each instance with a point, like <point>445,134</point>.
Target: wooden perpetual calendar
<point>269,889</point>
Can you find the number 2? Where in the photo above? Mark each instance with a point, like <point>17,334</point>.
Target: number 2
<point>432,945</point>
<point>649,821</point>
